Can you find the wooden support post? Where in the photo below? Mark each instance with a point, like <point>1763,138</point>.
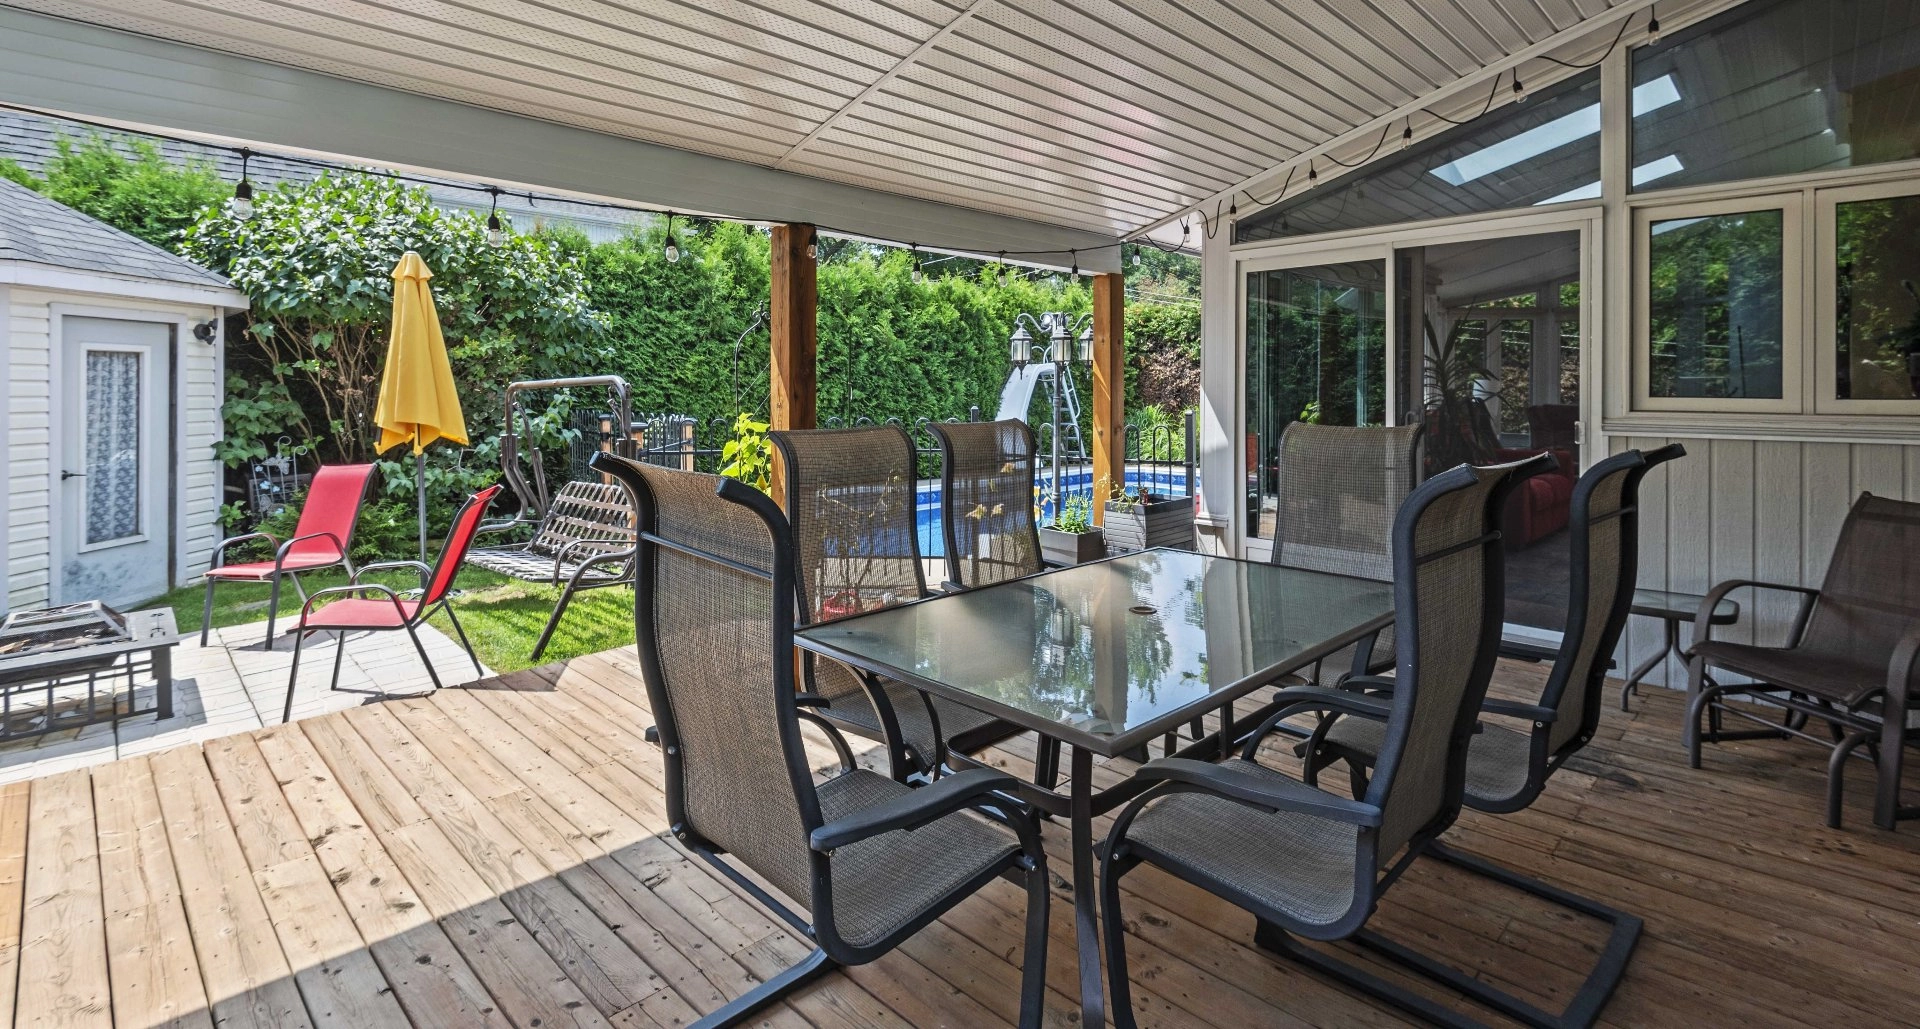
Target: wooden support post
<point>1109,389</point>
<point>795,341</point>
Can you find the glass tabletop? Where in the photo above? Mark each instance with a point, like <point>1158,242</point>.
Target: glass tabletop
<point>1663,604</point>
<point>1110,654</point>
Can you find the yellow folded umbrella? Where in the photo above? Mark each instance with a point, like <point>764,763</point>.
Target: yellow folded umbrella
<point>417,398</point>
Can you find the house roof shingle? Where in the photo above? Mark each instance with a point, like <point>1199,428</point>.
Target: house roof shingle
<point>41,231</point>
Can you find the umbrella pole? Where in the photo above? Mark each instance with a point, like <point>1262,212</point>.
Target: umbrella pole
<point>420,495</point>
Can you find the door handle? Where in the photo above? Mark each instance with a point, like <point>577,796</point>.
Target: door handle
<point>65,475</point>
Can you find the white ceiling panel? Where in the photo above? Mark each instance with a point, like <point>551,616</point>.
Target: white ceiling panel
<point>1098,115</point>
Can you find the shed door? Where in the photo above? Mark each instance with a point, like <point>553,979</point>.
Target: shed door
<point>111,498</point>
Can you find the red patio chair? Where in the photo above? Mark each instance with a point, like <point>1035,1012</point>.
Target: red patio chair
<point>321,539</point>
<point>366,614</point>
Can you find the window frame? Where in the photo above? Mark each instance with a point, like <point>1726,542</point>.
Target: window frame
<point>1825,329</point>
<point>1792,399</point>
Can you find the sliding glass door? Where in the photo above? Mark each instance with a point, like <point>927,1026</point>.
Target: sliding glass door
<point>1316,352</point>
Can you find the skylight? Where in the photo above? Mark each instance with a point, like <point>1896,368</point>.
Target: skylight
<point>1552,135</point>
<point>1642,175</point>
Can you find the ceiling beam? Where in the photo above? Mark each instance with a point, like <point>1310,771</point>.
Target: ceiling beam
<point>880,83</point>
<point>142,82</point>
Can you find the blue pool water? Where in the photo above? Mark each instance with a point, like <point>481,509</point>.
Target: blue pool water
<point>1162,481</point>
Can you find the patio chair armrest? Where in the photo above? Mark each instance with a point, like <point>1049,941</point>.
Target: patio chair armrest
<point>912,810</point>
<point>1906,655</point>
<point>1296,699</point>
<point>1515,709</point>
<point>220,549</point>
<point>1703,621</point>
<point>1372,685</point>
<point>1261,792</point>
<point>280,555</point>
<point>560,556</point>
<point>425,571</point>
<point>811,700</point>
<point>357,588</point>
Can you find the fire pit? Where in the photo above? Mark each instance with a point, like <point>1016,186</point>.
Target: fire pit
<point>72,661</point>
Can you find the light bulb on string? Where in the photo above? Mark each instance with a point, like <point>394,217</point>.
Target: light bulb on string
<point>1313,177</point>
<point>673,248</point>
<point>1406,135</point>
<point>496,236</point>
<point>242,205</point>
<point>1653,25</point>
<point>1076,264</point>
<point>813,244</point>
<point>917,274</point>
<point>1519,90</point>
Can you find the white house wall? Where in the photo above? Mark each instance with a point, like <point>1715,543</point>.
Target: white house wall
<point>198,481</point>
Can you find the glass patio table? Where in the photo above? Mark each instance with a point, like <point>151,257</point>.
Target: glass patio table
<point>1105,657</point>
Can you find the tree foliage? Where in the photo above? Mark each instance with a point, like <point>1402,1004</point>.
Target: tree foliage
<point>317,259</point>
<point>128,184</point>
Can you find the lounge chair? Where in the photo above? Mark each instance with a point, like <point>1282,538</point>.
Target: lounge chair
<point>1848,661</point>
<point>322,538</point>
<point>870,861</point>
<point>355,611</point>
<point>1313,864</point>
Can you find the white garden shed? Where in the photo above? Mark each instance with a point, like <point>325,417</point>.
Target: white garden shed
<point>111,394</point>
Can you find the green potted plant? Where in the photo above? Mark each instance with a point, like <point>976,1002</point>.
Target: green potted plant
<point>1072,538</point>
<point>1141,520</point>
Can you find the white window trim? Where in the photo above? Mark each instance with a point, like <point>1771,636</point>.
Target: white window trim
<point>1826,336</point>
<point>1792,352</point>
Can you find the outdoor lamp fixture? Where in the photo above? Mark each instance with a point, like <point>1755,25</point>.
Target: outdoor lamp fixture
<point>496,236</point>
<point>1061,350</point>
<point>1083,353</point>
<point>242,205</point>
<point>1022,343</point>
<point>673,249</point>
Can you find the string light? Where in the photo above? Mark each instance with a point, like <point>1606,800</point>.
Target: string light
<point>496,236</point>
<point>1406,135</point>
<point>1076,264</point>
<point>1519,89</point>
<point>1313,177</point>
<point>916,263</point>
<point>1003,269</point>
<point>673,248</point>
<point>813,244</point>
<point>1136,257</point>
<point>242,205</point>
<point>1653,24</point>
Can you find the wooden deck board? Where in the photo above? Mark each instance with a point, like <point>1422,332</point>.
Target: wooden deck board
<point>499,856</point>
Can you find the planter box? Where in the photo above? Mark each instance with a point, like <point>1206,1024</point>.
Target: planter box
<point>1162,523</point>
<point>1071,548</point>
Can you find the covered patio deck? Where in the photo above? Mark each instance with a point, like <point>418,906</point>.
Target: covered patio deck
<point>498,855</point>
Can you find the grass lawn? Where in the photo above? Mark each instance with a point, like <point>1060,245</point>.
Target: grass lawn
<point>502,616</point>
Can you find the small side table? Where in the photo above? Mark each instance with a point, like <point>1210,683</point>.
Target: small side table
<point>1671,608</point>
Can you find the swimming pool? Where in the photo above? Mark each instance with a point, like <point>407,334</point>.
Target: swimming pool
<point>1164,481</point>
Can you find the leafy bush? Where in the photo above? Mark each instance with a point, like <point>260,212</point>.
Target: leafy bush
<point>749,454</point>
<point>125,182</point>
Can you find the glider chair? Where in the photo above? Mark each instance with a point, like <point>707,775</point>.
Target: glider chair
<point>851,498</point>
<point>1313,864</point>
<point>987,474</point>
<point>868,860</point>
<point>357,610</point>
<point>1507,768</point>
<point>1340,489</point>
<point>321,538</point>
<point>1849,660</point>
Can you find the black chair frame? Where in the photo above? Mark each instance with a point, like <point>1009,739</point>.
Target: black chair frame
<point>980,790</point>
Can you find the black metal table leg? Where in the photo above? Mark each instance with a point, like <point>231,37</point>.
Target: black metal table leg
<point>1632,686</point>
<point>1093,997</point>
<point>162,681</point>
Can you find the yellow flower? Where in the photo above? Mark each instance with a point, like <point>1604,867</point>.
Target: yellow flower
<point>979,511</point>
<point>999,509</point>
<point>1006,469</point>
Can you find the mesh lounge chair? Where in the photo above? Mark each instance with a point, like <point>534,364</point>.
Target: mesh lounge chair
<point>321,538</point>
<point>1849,659</point>
<point>1508,768</point>
<point>357,612</point>
<point>1339,490</point>
<point>987,474</point>
<point>851,497</point>
<point>1313,864</point>
<point>870,860</point>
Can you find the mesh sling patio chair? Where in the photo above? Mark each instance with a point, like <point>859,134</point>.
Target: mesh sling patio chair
<point>1848,660</point>
<point>1313,864</point>
<point>1507,768</point>
<point>987,476</point>
<point>322,538</point>
<point>870,861</point>
<point>1339,490</point>
<point>356,611</point>
<point>851,503</point>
